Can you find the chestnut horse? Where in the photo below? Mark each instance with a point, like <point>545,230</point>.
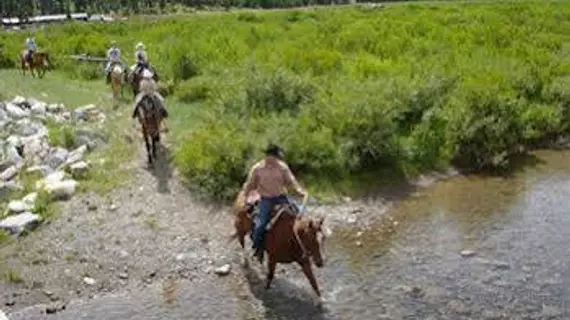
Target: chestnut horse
<point>289,238</point>
<point>39,61</point>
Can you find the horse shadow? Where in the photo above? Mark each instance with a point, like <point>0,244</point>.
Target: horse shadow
<point>161,168</point>
<point>283,300</point>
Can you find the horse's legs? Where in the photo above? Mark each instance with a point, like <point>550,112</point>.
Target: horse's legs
<point>271,264</point>
<point>147,145</point>
<point>308,271</point>
<point>155,141</point>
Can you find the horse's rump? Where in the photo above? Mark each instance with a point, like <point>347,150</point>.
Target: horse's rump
<point>117,68</point>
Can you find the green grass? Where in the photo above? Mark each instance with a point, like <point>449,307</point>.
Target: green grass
<point>349,92</point>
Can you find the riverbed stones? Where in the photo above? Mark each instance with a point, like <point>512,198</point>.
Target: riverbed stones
<point>223,270</point>
<point>467,253</point>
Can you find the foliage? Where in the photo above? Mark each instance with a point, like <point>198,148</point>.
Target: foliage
<point>353,90</point>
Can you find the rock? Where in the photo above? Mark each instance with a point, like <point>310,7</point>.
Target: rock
<point>89,281</point>
<point>3,316</point>
<point>9,173</point>
<point>89,138</point>
<point>76,155</point>
<point>123,276</point>
<point>359,243</point>
<point>16,224</point>
<point>20,101</point>
<point>57,157</point>
<point>43,170</point>
<point>30,199</point>
<point>52,178</point>
<point>38,108</point>
<point>467,253</point>
<point>17,206</point>
<point>55,108</point>
<point>15,112</point>
<point>79,169</point>
<point>27,127</point>
<point>62,190</point>
<point>6,188</point>
<point>223,270</point>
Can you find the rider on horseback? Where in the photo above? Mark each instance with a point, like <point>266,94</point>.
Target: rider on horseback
<point>30,47</point>
<point>113,56</point>
<point>151,89</point>
<point>269,177</point>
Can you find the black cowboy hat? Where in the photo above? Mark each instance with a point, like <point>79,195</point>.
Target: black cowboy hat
<point>274,150</point>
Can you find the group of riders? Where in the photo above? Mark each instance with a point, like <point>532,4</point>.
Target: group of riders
<point>267,180</point>
<point>113,57</point>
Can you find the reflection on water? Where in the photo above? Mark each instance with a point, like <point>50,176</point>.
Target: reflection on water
<point>409,265</point>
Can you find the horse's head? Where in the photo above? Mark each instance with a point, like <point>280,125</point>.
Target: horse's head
<point>313,238</point>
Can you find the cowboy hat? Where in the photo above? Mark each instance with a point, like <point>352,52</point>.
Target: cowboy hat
<point>140,45</point>
<point>274,150</point>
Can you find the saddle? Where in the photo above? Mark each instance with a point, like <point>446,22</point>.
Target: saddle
<point>278,210</point>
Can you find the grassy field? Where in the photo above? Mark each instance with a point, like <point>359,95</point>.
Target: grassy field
<point>356,95</point>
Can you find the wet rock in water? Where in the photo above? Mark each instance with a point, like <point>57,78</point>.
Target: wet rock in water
<point>16,224</point>
<point>123,276</point>
<point>467,253</point>
<point>223,270</point>
<point>89,281</point>
<point>79,169</point>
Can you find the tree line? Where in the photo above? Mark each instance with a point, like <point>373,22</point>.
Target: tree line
<point>27,8</point>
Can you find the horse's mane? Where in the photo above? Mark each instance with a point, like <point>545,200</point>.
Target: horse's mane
<point>239,203</point>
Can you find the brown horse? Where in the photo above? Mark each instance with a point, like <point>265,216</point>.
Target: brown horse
<point>40,62</point>
<point>289,238</point>
<point>149,112</point>
<point>136,77</point>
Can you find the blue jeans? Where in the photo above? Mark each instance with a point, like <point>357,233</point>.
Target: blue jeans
<point>266,205</point>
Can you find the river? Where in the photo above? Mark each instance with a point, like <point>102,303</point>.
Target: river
<point>465,248</point>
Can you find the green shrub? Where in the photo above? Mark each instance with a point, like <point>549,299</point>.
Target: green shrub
<point>347,91</point>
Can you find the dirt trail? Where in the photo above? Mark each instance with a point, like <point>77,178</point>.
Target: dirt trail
<point>144,232</point>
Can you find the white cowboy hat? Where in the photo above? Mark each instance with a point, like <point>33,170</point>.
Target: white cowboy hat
<point>140,45</point>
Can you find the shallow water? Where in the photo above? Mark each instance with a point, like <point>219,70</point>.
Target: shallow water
<point>409,264</point>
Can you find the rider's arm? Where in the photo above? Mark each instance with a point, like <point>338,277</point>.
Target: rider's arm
<point>292,182</point>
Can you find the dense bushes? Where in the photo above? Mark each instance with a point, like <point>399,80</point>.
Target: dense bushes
<point>348,91</point>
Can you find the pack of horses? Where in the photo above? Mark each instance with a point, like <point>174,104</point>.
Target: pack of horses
<point>289,238</point>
